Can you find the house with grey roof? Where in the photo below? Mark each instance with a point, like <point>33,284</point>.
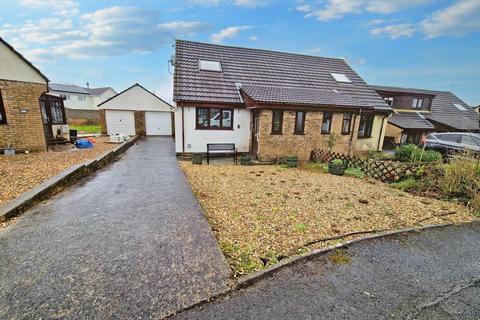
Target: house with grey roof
<point>272,104</point>
<point>419,112</point>
<point>81,103</point>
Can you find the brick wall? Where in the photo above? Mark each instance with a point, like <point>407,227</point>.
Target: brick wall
<point>271,147</point>
<point>140,123</point>
<point>24,130</point>
<point>80,117</point>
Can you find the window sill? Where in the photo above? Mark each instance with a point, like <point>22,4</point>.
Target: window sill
<point>276,134</point>
<point>298,133</point>
<point>324,132</point>
<point>366,137</point>
<point>215,129</point>
<point>345,133</point>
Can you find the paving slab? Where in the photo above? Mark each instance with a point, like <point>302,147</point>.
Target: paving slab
<point>128,242</point>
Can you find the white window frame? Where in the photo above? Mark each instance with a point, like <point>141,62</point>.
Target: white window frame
<point>340,77</point>
<point>209,65</point>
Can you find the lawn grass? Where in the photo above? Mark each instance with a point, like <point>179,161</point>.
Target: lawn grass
<point>263,214</point>
<point>86,129</point>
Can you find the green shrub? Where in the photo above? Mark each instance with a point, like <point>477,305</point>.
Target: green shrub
<point>354,172</point>
<point>315,167</point>
<point>337,162</point>
<point>412,153</point>
<point>405,185</point>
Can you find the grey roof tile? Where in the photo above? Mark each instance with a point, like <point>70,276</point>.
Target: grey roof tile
<point>257,67</point>
<point>302,96</point>
<point>410,120</point>
<point>443,110</point>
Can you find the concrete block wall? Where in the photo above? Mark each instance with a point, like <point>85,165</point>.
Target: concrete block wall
<point>24,128</point>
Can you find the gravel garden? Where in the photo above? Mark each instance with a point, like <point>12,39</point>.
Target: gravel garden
<point>22,172</point>
<point>263,214</point>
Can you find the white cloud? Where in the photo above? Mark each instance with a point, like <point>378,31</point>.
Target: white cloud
<point>458,19</point>
<point>250,3</point>
<point>66,8</point>
<point>107,32</point>
<point>335,9</point>
<point>395,31</point>
<point>239,3</point>
<point>229,33</point>
<point>253,38</point>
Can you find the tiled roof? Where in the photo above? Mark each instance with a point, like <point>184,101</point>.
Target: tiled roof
<point>67,88</point>
<point>443,110</point>
<point>99,91</point>
<point>410,120</point>
<point>260,67</point>
<point>77,89</point>
<point>301,96</point>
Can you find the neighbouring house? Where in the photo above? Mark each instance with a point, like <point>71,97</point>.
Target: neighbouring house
<point>419,112</point>
<point>136,111</point>
<point>81,104</point>
<point>272,104</point>
<point>30,117</point>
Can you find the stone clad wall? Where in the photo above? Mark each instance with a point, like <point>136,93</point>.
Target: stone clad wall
<point>271,147</point>
<point>24,128</point>
<point>82,117</point>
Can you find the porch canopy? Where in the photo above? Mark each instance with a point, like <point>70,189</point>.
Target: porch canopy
<point>411,120</point>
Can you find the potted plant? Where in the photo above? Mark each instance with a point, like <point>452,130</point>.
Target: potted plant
<point>292,161</point>
<point>245,159</point>
<point>8,150</point>
<point>337,167</point>
<point>197,158</point>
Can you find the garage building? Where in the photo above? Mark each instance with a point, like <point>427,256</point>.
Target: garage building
<point>136,111</point>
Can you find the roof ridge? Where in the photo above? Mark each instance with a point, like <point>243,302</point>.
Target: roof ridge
<point>409,88</point>
<point>262,50</point>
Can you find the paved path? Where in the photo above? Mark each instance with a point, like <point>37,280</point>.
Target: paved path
<point>129,242</point>
<point>434,274</point>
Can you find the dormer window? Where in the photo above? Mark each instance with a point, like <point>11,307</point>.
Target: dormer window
<point>209,65</point>
<point>417,103</point>
<point>389,100</point>
<point>340,77</point>
<point>459,107</point>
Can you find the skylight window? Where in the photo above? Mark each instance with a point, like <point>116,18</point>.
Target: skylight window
<point>209,65</point>
<point>340,77</point>
<point>459,107</point>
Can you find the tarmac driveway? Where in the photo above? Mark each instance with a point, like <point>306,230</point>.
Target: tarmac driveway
<point>128,242</point>
<point>433,274</point>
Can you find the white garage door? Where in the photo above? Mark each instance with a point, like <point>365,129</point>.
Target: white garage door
<point>120,122</point>
<point>158,123</point>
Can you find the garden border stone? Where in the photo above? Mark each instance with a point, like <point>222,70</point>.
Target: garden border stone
<point>59,182</point>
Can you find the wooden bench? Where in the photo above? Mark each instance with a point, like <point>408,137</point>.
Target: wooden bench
<point>225,147</point>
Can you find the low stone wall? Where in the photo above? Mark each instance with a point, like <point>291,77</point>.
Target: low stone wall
<point>81,117</point>
<point>59,182</point>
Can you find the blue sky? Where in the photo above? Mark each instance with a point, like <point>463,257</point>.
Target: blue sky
<point>415,43</point>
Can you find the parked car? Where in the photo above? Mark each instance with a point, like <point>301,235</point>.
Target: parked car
<point>453,142</point>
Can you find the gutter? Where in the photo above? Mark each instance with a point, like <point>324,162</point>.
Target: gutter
<point>183,128</point>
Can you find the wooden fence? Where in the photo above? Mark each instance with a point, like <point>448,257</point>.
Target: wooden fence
<point>383,170</point>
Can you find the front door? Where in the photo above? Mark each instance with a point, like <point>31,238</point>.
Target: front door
<point>255,130</point>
